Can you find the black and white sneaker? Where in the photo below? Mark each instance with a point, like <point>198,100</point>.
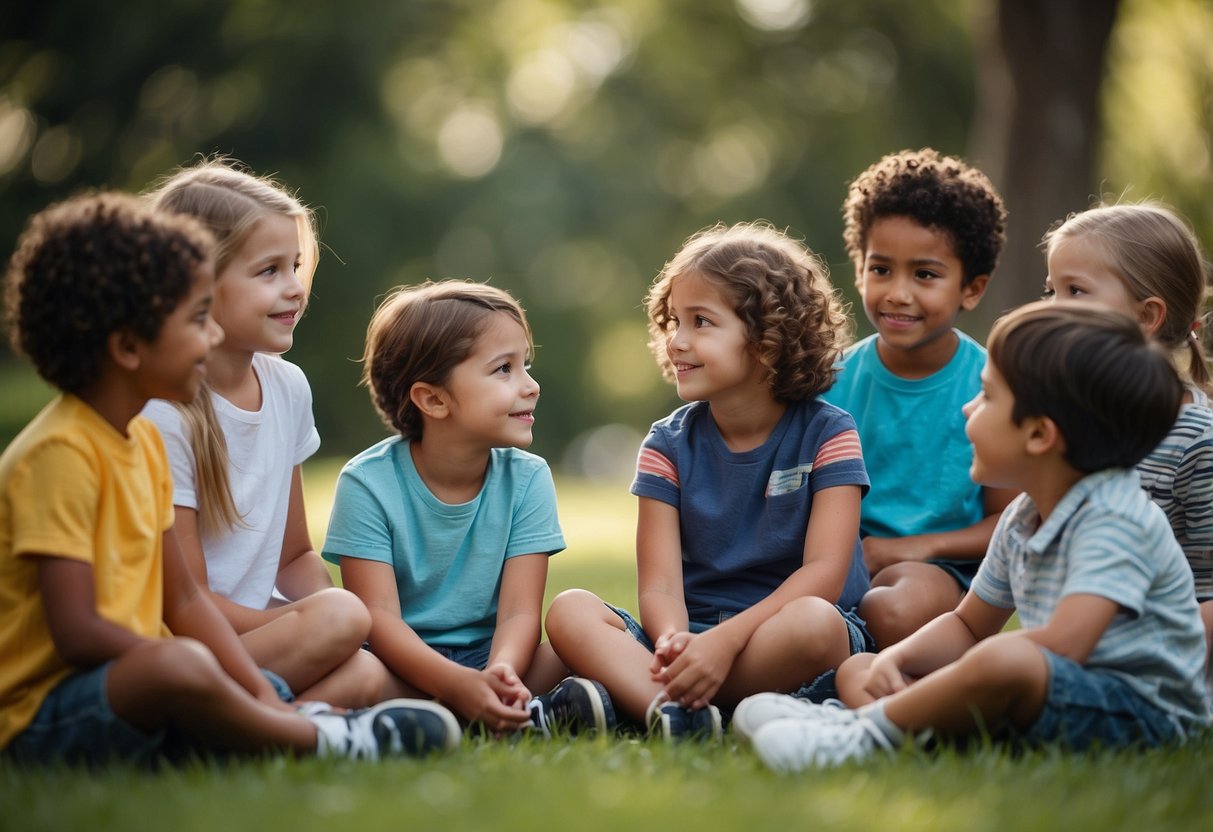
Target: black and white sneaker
<point>574,706</point>
<point>395,728</point>
<point>674,723</point>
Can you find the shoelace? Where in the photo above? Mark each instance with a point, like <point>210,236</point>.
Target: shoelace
<point>850,740</point>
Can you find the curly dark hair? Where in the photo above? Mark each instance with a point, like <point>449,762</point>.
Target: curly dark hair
<point>940,192</point>
<point>781,291</point>
<point>90,266</point>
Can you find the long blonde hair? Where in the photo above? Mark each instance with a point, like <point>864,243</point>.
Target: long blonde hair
<point>1154,254</point>
<point>229,200</point>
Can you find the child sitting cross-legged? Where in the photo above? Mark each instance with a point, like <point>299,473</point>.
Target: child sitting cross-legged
<point>1111,648</point>
<point>108,649</point>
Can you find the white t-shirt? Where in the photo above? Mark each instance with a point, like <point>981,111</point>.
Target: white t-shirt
<point>263,449</point>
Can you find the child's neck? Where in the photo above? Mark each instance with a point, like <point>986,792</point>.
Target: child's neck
<point>230,374</point>
<point>745,425</point>
<point>114,401</point>
<point>453,473</point>
<point>922,361</point>
<point>1050,483</point>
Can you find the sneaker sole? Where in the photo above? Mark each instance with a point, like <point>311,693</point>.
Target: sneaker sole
<point>453,732</point>
<point>598,696</point>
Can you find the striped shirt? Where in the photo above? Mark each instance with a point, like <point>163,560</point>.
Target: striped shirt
<point>1107,538</point>
<point>1178,475</point>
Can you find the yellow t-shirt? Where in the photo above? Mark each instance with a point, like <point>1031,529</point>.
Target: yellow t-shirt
<point>72,486</point>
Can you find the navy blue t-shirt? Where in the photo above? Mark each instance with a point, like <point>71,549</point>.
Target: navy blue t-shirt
<point>743,516</point>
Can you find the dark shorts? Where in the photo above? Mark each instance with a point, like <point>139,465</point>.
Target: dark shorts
<point>476,656</point>
<point>76,725</point>
<point>961,571</point>
<point>1085,708</point>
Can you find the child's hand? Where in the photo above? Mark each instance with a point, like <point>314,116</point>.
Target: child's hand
<point>516,695</point>
<point>696,674</point>
<point>485,697</point>
<point>879,552</point>
<point>884,677</point>
<point>668,648</point>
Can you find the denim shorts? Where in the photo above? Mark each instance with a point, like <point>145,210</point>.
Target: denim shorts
<point>476,656</point>
<point>76,725</point>
<point>1085,708</point>
<point>961,571</point>
<point>861,639</point>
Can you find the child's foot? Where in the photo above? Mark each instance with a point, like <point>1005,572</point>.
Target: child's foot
<point>396,727</point>
<point>575,705</point>
<point>757,710</point>
<point>795,744</point>
<point>673,723</point>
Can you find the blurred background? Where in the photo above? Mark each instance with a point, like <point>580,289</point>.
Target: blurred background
<point>563,149</point>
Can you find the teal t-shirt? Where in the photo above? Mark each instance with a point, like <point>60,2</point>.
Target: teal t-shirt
<point>447,558</point>
<point>914,445</point>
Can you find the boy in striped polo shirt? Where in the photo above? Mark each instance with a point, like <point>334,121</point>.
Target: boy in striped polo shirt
<point>1111,646</point>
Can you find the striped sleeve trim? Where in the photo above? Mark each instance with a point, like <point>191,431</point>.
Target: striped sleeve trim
<point>843,447</point>
<point>655,464</point>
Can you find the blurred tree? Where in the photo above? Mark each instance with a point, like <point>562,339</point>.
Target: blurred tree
<point>1038,126</point>
<point>561,148</point>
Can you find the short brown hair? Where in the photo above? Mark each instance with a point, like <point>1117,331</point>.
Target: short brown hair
<point>781,290</point>
<point>419,334</point>
<point>1112,393</point>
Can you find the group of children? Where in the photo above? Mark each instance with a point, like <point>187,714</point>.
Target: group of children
<point>830,538</point>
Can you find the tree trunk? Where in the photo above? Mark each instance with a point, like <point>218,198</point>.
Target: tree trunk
<point>1037,127</point>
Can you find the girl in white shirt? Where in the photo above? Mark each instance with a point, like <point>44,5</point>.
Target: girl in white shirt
<point>236,450</point>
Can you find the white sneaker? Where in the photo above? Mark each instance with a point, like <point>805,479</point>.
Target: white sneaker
<point>396,727</point>
<point>756,711</point>
<point>788,745</point>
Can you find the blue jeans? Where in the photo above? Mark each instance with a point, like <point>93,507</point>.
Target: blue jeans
<point>1085,708</point>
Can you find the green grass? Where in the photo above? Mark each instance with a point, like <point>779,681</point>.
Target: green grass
<point>620,784</point>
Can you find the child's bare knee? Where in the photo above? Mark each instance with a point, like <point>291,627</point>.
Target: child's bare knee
<point>1002,662</point>
<point>335,616</point>
<point>180,666</point>
<point>570,607</point>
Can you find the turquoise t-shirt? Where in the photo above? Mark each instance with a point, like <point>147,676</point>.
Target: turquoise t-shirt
<point>447,558</point>
<point>914,444</point>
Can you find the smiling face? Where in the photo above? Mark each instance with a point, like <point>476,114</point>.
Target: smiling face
<point>173,365</point>
<point>998,443</point>
<point>258,295</point>
<point>709,346</point>
<point>491,394</point>
<point>912,286</point>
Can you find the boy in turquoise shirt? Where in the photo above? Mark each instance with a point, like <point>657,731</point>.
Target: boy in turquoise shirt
<point>924,232</point>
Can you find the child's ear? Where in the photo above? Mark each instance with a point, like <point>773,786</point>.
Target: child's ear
<point>971,293</point>
<point>1151,313</point>
<point>123,349</point>
<point>430,399</point>
<point>1044,436</point>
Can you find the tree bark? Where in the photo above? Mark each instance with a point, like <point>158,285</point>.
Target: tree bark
<point>1036,129</point>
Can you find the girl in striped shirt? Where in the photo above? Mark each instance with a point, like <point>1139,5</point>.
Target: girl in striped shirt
<point>1144,260</point>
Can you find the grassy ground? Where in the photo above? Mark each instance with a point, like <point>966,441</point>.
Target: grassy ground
<point>619,784</point>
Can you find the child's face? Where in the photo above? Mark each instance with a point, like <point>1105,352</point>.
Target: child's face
<point>1079,271</point>
<point>491,393</point>
<point>998,443</point>
<point>912,285</point>
<point>709,345</point>
<point>258,296</point>
<point>172,366</point>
